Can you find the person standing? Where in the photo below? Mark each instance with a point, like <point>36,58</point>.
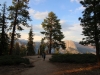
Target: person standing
<point>44,55</point>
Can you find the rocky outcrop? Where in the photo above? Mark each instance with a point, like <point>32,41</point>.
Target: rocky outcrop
<point>75,48</point>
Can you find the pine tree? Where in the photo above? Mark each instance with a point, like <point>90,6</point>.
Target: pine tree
<point>30,44</point>
<point>91,24</point>
<point>4,40</point>
<point>18,15</point>
<point>53,32</point>
<point>42,46</point>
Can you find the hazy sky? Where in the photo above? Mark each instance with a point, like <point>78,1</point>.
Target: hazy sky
<point>68,11</point>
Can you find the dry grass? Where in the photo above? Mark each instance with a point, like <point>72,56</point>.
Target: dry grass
<point>77,69</point>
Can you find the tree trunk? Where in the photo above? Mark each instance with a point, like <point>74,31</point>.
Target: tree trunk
<point>50,44</point>
<point>2,37</point>
<point>97,47</point>
<point>96,36</point>
<point>13,32</point>
<point>3,32</point>
<point>12,40</point>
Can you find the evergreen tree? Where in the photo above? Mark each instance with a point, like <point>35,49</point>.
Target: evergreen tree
<point>91,24</point>
<point>4,40</point>
<point>18,15</point>
<point>30,44</point>
<point>42,47</point>
<point>53,32</point>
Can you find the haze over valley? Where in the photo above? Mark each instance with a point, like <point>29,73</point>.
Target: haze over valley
<point>71,47</point>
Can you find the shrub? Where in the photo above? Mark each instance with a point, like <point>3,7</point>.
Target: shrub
<point>73,58</point>
<point>13,60</point>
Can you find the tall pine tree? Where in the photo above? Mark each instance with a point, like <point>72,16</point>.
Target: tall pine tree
<point>18,15</point>
<point>91,24</point>
<point>30,44</point>
<point>4,40</point>
<point>53,32</point>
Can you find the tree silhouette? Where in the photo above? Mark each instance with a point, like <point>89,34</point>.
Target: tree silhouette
<point>18,15</point>
<point>30,44</point>
<point>4,40</point>
<point>53,32</point>
<point>91,24</point>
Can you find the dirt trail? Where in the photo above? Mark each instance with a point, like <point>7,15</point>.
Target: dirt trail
<point>41,67</point>
<point>47,68</point>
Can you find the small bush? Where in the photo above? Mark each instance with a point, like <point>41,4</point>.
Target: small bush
<point>73,58</point>
<point>13,60</point>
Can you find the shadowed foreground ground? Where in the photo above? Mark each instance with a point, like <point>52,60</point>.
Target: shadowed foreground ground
<point>47,68</point>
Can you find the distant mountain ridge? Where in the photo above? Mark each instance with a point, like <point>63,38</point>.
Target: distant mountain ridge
<point>23,41</point>
<point>84,49</point>
<point>78,47</point>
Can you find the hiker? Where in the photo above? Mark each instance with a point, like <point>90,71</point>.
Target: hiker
<point>43,55</point>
